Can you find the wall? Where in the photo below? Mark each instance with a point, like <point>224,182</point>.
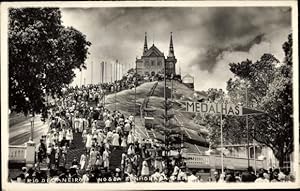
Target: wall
<point>147,66</point>
<point>214,162</point>
<point>17,153</point>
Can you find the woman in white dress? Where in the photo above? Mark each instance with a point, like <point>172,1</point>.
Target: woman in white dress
<point>145,169</point>
<point>80,128</point>
<point>71,136</point>
<point>130,150</point>
<point>94,128</point>
<point>76,124</point>
<point>106,144</point>
<point>115,139</point>
<point>82,161</point>
<point>88,142</point>
<point>93,158</point>
<point>99,161</point>
<point>130,138</point>
<point>48,140</point>
<point>100,137</point>
<point>158,163</point>
<point>60,136</point>
<point>124,142</point>
<point>123,160</point>
<point>128,164</point>
<point>106,158</point>
<point>84,136</point>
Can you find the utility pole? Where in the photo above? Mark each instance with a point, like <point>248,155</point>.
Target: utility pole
<point>254,150</point>
<point>116,85</point>
<point>247,126</point>
<point>172,88</point>
<point>135,80</point>
<point>32,127</point>
<point>166,115</point>
<point>91,72</point>
<point>111,71</point>
<point>80,77</point>
<point>101,80</point>
<point>222,154</point>
<point>104,91</point>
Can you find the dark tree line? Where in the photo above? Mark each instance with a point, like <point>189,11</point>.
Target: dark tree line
<point>42,57</point>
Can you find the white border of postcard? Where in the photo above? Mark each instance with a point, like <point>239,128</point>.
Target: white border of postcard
<point>142,186</point>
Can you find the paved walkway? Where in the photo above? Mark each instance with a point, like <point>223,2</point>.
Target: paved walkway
<point>19,133</point>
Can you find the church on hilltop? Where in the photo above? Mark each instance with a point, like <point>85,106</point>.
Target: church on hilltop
<point>152,61</point>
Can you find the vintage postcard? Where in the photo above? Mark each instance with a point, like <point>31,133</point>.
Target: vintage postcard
<point>149,95</point>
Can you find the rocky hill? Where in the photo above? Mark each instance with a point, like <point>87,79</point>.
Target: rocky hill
<point>150,97</point>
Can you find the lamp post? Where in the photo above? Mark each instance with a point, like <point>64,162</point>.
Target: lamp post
<point>135,83</point>
<point>116,76</point>
<point>31,120</point>
<point>247,126</point>
<point>31,128</point>
<point>222,157</point>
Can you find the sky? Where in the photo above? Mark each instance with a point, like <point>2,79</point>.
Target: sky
<point>206,39</point>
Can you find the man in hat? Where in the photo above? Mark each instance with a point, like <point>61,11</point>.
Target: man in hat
<point>249,175</point>
<point>41,150</point>
<point>75,162</point>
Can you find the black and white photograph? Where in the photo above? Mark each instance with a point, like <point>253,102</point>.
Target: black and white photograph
<point>150,93</point>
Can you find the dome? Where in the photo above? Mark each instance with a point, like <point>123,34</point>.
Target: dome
<point>188,79</point>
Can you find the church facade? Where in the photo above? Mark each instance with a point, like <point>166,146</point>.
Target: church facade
<point>153,60</point>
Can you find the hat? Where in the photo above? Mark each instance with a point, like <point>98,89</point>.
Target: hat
<point>118,170</point>
<point>74,166</point>
<point>24,168</point>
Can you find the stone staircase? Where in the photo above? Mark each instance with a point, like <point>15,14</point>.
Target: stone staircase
<point>76,150</point>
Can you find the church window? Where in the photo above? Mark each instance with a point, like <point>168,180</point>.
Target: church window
<point>152,63</point>
<point>159,63</point>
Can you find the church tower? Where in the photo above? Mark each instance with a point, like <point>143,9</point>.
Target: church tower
<point>145,44</point>
<point>171,60</point>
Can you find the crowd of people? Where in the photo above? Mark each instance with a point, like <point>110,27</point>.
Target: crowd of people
<point>249,175</point>
<point>103,132</point>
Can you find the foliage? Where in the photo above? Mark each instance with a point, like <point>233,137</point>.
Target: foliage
<point>269,88</point>
<point>42,57</point>
<point>212,122</point>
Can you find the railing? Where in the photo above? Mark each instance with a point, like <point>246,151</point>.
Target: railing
<point>194,160</point>
<point>17,153</point>
<point>197,160</point>
<point>239,163</point>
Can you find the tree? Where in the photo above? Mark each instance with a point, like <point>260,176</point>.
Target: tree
<point>42,57</point>
<point>269,86</point>
<point>276,129</point>
<point>211,121</point>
